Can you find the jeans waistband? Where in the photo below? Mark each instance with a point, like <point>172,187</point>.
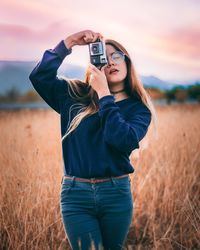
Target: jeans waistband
<point>94,179</point>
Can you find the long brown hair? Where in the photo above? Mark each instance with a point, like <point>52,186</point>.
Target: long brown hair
<point>87,98</point>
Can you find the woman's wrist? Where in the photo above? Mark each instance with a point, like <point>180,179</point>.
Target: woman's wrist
<point>103,93</point>
<point>68,42</point>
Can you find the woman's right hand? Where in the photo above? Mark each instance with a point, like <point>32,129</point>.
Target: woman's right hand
<point>82,38</point>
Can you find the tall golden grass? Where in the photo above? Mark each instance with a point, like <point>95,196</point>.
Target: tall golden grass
<point>165,184</point>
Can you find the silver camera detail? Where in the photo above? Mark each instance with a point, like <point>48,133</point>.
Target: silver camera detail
<point>97,52</point>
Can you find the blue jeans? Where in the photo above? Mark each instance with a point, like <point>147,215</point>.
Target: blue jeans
<point>96,215</point>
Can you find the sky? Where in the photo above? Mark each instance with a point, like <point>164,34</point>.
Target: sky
<point>162,37</point>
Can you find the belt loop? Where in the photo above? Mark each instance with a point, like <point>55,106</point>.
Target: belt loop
<point>73,181</point>
<point>112,180</point>
<point>62,179</point>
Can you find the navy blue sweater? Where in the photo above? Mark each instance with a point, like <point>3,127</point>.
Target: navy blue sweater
<point>101,144</point>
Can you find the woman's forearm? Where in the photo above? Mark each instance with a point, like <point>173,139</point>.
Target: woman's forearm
<point>69,42</point>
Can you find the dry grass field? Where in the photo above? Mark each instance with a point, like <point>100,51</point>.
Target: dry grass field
<point>165,184</point>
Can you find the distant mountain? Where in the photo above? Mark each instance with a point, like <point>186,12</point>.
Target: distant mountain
<point>16,74</point>
<point>152,81</point>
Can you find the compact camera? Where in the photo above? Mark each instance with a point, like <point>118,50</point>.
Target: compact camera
<point>97,52</point>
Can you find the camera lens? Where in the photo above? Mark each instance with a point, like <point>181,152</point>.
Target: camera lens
<point>95,49</point>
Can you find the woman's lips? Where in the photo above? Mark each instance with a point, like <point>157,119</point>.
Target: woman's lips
<point>114,72</point>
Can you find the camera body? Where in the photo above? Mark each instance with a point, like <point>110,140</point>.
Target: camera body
<point>97,51</point>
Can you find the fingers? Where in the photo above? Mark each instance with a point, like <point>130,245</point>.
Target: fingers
<point>91,36</point>
<point>91,78</point>
<point>103,67</point>
<point>100,35</point>
<point>93,69</point>
<point>88,37</point>
<point>95,37</point>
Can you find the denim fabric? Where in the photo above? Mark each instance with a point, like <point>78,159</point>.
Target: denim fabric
<point>96,215</point>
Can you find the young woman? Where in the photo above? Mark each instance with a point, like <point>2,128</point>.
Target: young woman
<point>103,119</point>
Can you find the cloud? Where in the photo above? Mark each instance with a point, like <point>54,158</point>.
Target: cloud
<point>184,42</point>
<point>15,31</point>
<point>160,33</point>
<point>51,32</point>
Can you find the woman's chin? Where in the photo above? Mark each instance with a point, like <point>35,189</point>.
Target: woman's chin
<point>114,80</point>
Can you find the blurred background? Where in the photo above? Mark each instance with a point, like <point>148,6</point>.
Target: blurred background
<point>163,39</point>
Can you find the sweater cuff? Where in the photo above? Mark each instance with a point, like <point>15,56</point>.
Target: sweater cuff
<point>62,50</point>
<point>106,99</point>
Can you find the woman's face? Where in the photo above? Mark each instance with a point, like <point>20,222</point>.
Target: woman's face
<point>120,75</point>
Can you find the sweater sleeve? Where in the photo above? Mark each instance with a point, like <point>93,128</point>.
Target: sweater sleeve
<point>123,134</point>
<point>44,76</point>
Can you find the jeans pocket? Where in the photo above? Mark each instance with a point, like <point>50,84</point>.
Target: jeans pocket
<point>66,186</point>
<point>123,185</point>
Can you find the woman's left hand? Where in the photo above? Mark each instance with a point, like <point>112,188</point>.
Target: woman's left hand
<point>98,80</point>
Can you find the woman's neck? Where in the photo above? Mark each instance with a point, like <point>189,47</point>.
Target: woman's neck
<point>120,96</point>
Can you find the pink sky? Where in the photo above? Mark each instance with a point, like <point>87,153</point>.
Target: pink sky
<point>162,37</point>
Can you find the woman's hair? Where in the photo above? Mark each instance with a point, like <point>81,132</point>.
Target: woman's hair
<point>87,98</point>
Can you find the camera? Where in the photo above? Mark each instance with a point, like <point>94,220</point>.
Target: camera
<point>97,51</point>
